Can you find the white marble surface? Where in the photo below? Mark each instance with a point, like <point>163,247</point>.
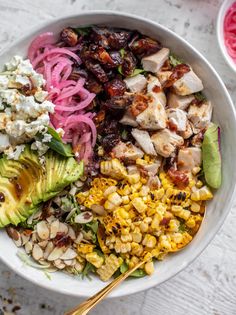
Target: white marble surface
<point>208,286</point>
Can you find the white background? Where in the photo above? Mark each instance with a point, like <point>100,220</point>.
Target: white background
<point>208,286</point>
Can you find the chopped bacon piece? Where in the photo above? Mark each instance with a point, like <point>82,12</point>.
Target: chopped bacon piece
<point>179,178</point>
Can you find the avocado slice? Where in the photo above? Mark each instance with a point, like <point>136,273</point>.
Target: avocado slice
<point>26,183</point>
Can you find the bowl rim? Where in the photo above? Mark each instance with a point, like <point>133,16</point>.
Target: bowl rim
<point>146,284</point>
<point>220,32</point>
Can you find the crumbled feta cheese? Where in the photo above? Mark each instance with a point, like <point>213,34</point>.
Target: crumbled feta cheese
<point>24,116</point>
<point>23,80</point>
<point>13,63</point>
<point>14,154</point>
<point>4,142</point>
<point>4,82</point>
<point>40,147</point>
<point>47,138</point>
<point>40,95</point>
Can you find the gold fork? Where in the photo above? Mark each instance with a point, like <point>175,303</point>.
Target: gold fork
<point>87,305</point>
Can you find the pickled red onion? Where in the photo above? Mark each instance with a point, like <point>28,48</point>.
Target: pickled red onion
<point>69,96</point>
<point>230,31</point>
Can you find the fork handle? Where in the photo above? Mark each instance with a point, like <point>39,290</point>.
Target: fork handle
<point>87,305</point>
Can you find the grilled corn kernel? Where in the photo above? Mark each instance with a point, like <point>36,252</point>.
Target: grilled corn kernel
<point>143,227</point>
<point>113,168</point>
<point>126,238</point>
<point>184,214</point>
<point>199,184</point>
<point>155,225</point>
<point>95,259</point>
<point>176,209</point>
<point>196,170</point>
<point>173,225</point>
<point>134,195</point>
<point>149,268</point>
<point>143,180</point>
<point>149,241</point>
<point>133,178</point>
<point>159,193</point>
<point>195,207</point>
<point>115,198</point>
<point>151,212</point>
<point>85,248</point>
<point>136,237</point>
<point>127,207</point>
<point>125,200</point>
<point>191,222</point>
<point>109,191</point>
<point>177,237</point>
<point>144,191</point>
<point>164,244</point>
<point>109,205</point>
<point>139,205</point>
<point>136,249</point>
<point>191,183</point>
<point>133,261</point>
<point>120,212</point>
<point>203,193</point>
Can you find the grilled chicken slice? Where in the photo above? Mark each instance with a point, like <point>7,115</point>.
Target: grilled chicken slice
<point>188,158</point>
<point>154,88</point>
<point>144,141</point>
<point>127,151</point>
<point>166,141</point>
<point>200,116</point>
<point>188,84</point>
<point>153,117</point>
<point>178,101</point>
<point>136,84</point>
<point>128,119</point>
<point>178,118</point>
<point>154,62</point>
<point>163,76</point>
<point>188,132</point>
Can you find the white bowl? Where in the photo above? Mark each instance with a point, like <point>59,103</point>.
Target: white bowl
<point>220,32</point>
<point>218,208</point>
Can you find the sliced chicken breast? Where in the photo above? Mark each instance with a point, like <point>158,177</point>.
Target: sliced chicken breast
<point>154,88</point>
<point>178,118</point>
<point>188,84</point>
<point>166,141</point>
<point>154,117</point>
<point>163,76</point>
<point>178,101</point>
<point>154,62</point>
<point>128,119</point>
<point>144,141</point>
<point>200,116</point>
<point>188,132</point>
<point>136,84</point>
<point>189,158</point>
<point>127,151</point>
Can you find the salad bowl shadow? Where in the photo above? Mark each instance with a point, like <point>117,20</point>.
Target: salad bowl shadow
<point>217,209</point>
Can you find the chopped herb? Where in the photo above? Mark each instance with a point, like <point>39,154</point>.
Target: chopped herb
<point>124,267</point>
<point>54,134</point>
<point>136,72</point>
<point>87,270</point>
<point>82,30</point>
<point>182,227</point>
<point>139,273</point>
<point>200,96</point>
<point>26,225</point>
<point>174,60</point>
<point>60,147</point>
<point>93,226</point>
<point>124,134</point>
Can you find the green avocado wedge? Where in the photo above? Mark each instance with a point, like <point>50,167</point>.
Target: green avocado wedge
<point>211,157</point>
<point>26,183</point>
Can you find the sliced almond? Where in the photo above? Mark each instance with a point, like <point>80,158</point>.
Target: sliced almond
<point>59,264</point>
<point>68,262</point>
<point>49,248</point>
<point>79,238</point>
<point>54,228</point>
<point>13,233</point>
<point>79,267</point>
<point>63,228</point>
<point>18,242</point>
<point>34,237</point>
<point>43,244</point>
<point>25,238</point>
<point>71,233</point>
<point>37,252</point>
<point>42,230</point>
<point>56,253</point>
<point>29,247</point>
<point>84,217</point>
<point>44,263</point>
<point>69,254</point>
